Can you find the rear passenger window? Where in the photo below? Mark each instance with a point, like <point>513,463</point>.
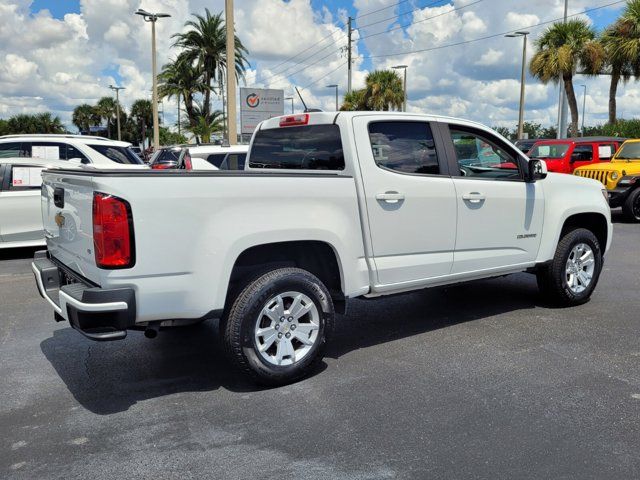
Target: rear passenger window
<point>234,161</point>
<point>606,151</point>
<point>8,150</point>
<point>406,147</point>
<point>312,147</point>
<point>216,159</point>
<point>582,153</point>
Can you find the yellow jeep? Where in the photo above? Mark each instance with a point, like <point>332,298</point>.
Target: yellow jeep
<point>621,177</point>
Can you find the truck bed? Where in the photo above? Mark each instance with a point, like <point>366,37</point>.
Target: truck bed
<point>184,220</point>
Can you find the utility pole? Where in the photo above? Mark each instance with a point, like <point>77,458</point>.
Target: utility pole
<point>562,100</point>
<point>584,104</point>
<point>231,72</point>
<point>117,90</point>
<point>404,84</point>
<point>349,31</point>
<point>179,132</point>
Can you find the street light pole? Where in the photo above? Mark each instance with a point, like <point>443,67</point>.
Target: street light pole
<point>404,83</point>
<point>584,102</point>
<point>562,100</point>
<point>117,90</point>
<point>336,87</point>
<point>153,18</point>
<point>290,98</point>
<point>522,34</point>
<point>231,72</point>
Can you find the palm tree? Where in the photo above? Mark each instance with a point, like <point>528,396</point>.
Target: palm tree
<point>383,90</point>
<point>34,123</point>
<point>205,125</point>
<point>180,78</point>
<point>48,124</point>
<point>204,46</point>
<point>84,116</point>
<point>142,113</point>
<point>621,42</point>
<point>106,108</point>
<point>561,49</point>
<point>354,101</point>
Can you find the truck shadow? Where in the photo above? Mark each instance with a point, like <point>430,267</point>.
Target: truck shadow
<point>111,377</point>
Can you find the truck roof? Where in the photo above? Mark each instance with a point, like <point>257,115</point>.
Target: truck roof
<point>320,118</point>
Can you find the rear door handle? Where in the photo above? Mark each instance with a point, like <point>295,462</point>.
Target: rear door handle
<point>390,197</point>
<point>474,197</point>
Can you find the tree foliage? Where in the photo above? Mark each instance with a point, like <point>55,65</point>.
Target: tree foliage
<point>383,91</point>
<point>561,50</point>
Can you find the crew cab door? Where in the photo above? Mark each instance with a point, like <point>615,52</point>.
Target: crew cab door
<point>410,198</point>
<point>499,221</point>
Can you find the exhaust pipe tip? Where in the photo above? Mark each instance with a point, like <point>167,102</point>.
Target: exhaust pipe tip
<point>151,332</point>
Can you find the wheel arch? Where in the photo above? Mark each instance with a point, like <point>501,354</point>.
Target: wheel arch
<point>317,257</point>
<point>592,221</point>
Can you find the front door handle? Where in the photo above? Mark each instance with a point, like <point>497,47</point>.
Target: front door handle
<point>474,197</point>
<point>390,197</point>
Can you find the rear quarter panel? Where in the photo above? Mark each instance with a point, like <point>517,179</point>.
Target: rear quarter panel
<point>189,231</point>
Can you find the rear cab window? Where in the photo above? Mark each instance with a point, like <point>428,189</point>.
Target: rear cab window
<point>309,147</point>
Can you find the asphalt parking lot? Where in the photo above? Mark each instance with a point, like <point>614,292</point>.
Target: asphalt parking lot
<point>474,381</point>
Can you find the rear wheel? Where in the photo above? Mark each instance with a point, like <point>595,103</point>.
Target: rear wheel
<point>631,207</point>
<point>276,328</point>
<point>574,271</point>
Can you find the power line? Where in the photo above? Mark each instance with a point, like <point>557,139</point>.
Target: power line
<point>306,49</point>
<point>423,20</point>
<point>486,37</point>
<point>403,13</point>
<point>291,74</point>
<point>383,8</point>
<point>324,76</point>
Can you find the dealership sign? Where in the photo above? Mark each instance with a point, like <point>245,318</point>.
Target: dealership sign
<point>258,104</point>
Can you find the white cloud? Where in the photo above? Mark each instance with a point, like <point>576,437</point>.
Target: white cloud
<point>55,64</point>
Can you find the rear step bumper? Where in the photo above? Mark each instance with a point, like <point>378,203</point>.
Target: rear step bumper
<point>98,313</point>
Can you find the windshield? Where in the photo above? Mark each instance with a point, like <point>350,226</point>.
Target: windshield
<point>117,154</point>
<point>555,150</point>
<point>629,151</point>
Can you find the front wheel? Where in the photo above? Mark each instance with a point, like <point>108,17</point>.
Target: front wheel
<point>631,207</point>
<point>574,271</point>
<point>276,328</point>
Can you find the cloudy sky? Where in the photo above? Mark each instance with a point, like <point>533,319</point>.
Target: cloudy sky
<point>56,54</point>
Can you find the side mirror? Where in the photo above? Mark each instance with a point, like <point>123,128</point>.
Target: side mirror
<point>536,170</point>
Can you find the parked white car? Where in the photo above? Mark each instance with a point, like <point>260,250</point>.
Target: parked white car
<point>97,151</point>
<point>218,157</point>
<point>331,207</point>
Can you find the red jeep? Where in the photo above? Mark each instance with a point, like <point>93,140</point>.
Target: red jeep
<point>567,154</point>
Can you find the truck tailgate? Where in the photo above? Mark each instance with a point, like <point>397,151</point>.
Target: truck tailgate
<point>67,202</point>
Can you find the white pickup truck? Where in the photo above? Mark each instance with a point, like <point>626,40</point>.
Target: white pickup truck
<point>331,206</point>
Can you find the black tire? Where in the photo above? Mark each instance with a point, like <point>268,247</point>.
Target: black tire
<point>552,280</point>
<point>631,206</point>
<point>238,327</point>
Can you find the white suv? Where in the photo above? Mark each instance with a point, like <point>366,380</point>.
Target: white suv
<point>218,157</point>
<point>98,151</point>
<point>22,159</point>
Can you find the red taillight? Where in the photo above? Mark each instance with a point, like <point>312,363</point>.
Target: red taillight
<point>163,166</point>
<point>112,232</point>
<point>187,162</point>
<point>291,120</point>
